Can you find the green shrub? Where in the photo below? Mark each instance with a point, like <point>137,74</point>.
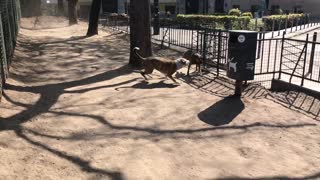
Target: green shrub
<point>252,25</point>
<point>249,14</point>
<point>281,20</point>
<point>227,21</point>
<point>234,12</point>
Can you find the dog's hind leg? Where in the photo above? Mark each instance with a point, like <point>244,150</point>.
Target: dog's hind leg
<point>143,74</point>
<point>147,72</point>
<point>188,69</point>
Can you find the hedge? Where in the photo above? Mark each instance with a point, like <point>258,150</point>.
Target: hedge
<point>280,20</point>
<point>235,12</point>
<point>224,22</point>
<point>249,14</point>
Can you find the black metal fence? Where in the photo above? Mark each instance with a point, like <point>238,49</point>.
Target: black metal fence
<point>10,14</point>
<point>295,61</point>
<point>300,61</point>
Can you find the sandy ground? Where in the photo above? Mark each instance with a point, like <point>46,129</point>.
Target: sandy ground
<point>73,109</point>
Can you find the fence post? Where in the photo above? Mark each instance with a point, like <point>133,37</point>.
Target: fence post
<point>286,26</point>
<point>259,45</point>
<point>305,60</point>
<point>281,57</point>
<point>219,52</point>
<point>169,34</point>
<point>279,27</point>
<point>204,47</point>
<point>273,24</point>
<point>312,52</point>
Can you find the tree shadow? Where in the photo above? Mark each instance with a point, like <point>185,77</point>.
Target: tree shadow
<point>222,112</point>
<point>83,164</point>
<point>310,177</point>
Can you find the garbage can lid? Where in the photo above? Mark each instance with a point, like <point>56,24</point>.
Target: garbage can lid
<point>243,31</point>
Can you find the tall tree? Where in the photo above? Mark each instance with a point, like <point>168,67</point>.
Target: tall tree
<point>94,17</point>
<point>72,12</point>
<point>60,7</point>
<point>140,29</point>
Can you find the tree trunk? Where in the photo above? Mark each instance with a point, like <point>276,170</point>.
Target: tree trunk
<point>140,30</point>
<point>60,8</point>
<point>72,11</point>
<point>94,17</point>
<point>30,8</point>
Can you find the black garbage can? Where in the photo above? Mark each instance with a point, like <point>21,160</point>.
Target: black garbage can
<point>242,56</point>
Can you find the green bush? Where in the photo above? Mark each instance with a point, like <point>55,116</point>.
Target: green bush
<point>234,12</point>
<point>249,14</point>
<point>227,21</point>
<point>256,26</point>
<point>281,20</point>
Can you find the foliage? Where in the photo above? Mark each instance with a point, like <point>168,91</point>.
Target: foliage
<point>234,12</point>
<point>249,14</point>
<point>226,21</point>
<point>281,21</point>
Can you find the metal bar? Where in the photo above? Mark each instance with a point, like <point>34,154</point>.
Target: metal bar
<point>282,46</point>
<point>275,60</point>
<point>262,53</point>
<point>219,52</point>
<point>295,67</point>
<point>313,47</point>
<point>269,52</point>
<point>305,60</point>
<point>205,47</point>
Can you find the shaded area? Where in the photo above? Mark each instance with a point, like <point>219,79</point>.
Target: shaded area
<point>310,177</point>
<point>50,89</point>
<point>222,112</point>
<point>223,87</point>
<point>83,164</point>
<point>50,93</point>
<point>147,85</point>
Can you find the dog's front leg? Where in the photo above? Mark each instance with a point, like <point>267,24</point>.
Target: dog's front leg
<point>199,69</point>
<point>170,76</point>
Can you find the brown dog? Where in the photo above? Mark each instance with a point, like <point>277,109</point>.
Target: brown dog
<point>165,66</point>
<point>194,58</point>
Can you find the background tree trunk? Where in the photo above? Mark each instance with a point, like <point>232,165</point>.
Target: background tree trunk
<point>60,8</point>
<point>30,8</point>
<point>94,17</point>
<point>72,12</point>
<point>140,32</point>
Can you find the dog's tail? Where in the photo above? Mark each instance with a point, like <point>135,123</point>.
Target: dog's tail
<point>135,50</point>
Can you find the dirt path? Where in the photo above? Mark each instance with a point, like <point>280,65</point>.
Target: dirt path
<point>73,109</point>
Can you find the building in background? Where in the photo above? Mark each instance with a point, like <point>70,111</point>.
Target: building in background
<point>223,6</point>
<point>207,6</point>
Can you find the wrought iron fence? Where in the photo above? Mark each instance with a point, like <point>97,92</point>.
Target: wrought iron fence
<point>10,14</point>
<point>292,60</point>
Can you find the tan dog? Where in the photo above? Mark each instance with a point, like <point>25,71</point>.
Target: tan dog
<point>165,66</point>
<point>194,58</point>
